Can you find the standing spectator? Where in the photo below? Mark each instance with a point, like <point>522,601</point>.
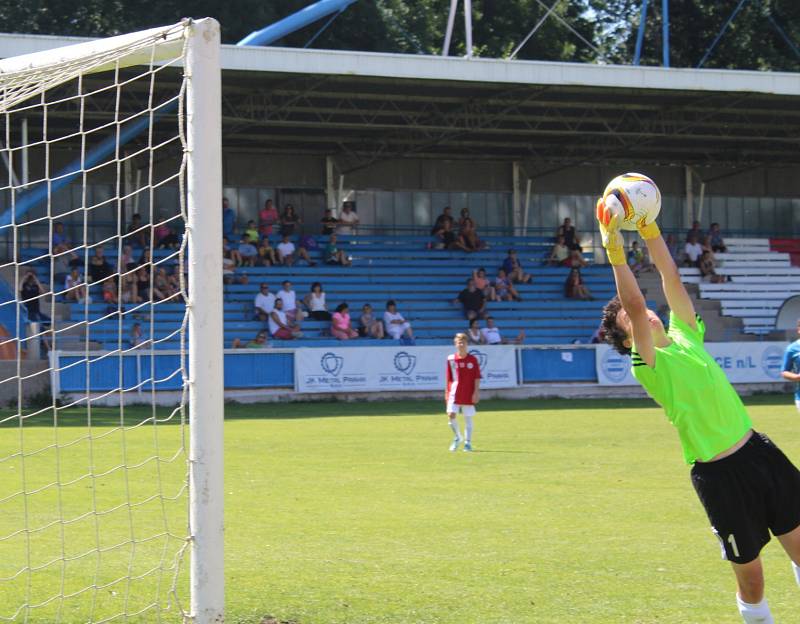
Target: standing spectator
<point>560,253</point>
<point>228,220</point>
<point>513,268</point>
<point>474,335</point>
<point>247,251</point>
<point>694,231</point>
<point>370,326</point>
<point>99,269</point>
<point>280,325</point>
<point>29,292</point>
<point>136,233</point>
<point>504,289</point>
<point>329,222</point>
<point>693,250</point>
<point>75,288</point>
<point>289,299</point>
<point>289,221</point>
<point>444,220</point>
<point>396,325</point>
<point>472,301</point>
<point>252,231</point>
<point>567,231</point>
<point>348,220</point>
<point>791,366</point>
<point>315,303</point>
<point>341,327</point>
<point>491,334</point>
<point>334,255</point>
<point>715,240</point>
<point>60,241</point>
<point>482,283</point>
<point>264,303</point>
<point>574,288</point>
<point>267,218</point>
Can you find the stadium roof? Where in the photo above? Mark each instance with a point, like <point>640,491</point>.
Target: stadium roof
<point>367,107</point>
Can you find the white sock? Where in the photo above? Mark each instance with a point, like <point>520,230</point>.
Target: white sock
<point>755,613</point>
<point>454,427</point>
<point>796,569</point>
<point>468,428</point>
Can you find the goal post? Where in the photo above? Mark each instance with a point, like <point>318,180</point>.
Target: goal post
<point>111,330</point>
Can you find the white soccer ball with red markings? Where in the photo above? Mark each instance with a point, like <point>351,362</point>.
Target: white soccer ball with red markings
<point>635,198</point>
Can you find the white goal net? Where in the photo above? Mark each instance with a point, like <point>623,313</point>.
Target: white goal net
<point>110,330</point>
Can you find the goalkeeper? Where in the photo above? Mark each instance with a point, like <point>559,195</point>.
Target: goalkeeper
<point>746,484</point>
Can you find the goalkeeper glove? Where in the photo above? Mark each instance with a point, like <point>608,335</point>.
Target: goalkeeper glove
<point>608,219</point>
<point>648,231</point>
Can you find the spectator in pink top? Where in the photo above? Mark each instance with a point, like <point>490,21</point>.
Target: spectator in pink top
<point>341,327</point>
<point>267,217</point>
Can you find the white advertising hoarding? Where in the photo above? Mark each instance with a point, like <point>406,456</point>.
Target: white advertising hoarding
<point>376,369</point>
<point>743,362</point>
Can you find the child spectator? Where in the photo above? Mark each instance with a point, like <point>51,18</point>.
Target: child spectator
<point>252,231</point>
<point>396,326</point>
<point>474,335</point>
<point>574,288</point>
<point>280,326</point>
<point>341,326</point>
<point>504,289</point>
<point>248,251</point>
<point>482,283</point>
<point>333,254</point>
<point>315,303</point>
<point>513,268</point>
<point>267,217</point>
<point>370,326</point>
<point>471,300</point>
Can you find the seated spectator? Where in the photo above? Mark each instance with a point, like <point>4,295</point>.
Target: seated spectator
<point>574,288</point>
<point>99,268</point>
<point>264,303</point>
<point>445,237</point>
<point>143,283</point>
<point>267,218</point>
<point>228,220</point>
<point>444,222</point>
<point>231,251</point>
<point>259,342</point>
<point>315,303</point>
<point>252,231</point>
<point>248,251</point>
<point>162,287</point>
<point>288,253</point>
<point>61,243</point>
<point>333,254</point>
<point>513,268</point>
<point>125,261</point>
<point>576,259</point>
<point>266,254</point>
<point>707,265</point>
<point>110,292</point>
<point>474,335</point>
<point>370,327</point>
<point>146,258</point>
<point>396,326</point>
<point>29,293</point>
<point>329,222</point>
<point>75,288</point>
<point>504,289</point>
<point>280,326</point>
<point>637,259</point>
<point>715,240</point>
<point>674,249</point>
<point>165,237</point>
<point>306,246</point>
<point>130,288</point>
<point>348,220</point>
<point>289,299</point>
<point>567,231</point>
<point>341,327</point>
<point>695,231</point>
<point>463,218</point>
<point>491,334</point>
<point>468,238</point>
<point>482,283</point>
<point>136,234</point>
<point>693,251</point>
<point>137,338</point>
<point>472,301</point>
<point>289,221</point>
<point>560,254</point>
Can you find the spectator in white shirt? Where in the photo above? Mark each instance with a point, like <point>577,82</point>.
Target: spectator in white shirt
<point>395,324</point>
<point>288,253</point>
<point>289,299</point>
<point>264,303</point>
<point>693,251</point>
<point>491,334</point>
<point>280,326</point>
<point>348,220</point>
<point>75,287</point>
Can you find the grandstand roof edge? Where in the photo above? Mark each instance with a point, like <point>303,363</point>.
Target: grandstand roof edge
<point>422,67</point>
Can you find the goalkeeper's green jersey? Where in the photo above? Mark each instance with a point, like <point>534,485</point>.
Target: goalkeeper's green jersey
<point>694,392</point>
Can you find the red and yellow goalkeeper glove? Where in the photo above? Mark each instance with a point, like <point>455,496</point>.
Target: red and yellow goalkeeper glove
<point>614,244</point>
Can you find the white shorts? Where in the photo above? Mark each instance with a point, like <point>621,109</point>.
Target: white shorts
<point>466,410</point>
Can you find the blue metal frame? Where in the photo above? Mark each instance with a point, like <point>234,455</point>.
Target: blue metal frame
<point>294,22</point>
<point>640,35</point>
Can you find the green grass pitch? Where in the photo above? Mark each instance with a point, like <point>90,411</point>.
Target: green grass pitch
<point>569,511</point>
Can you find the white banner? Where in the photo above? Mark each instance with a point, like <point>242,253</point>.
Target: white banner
<point>371,369</point>
<point>743,362</point>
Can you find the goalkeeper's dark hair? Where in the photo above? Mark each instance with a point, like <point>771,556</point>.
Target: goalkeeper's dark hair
<point>611,332</point>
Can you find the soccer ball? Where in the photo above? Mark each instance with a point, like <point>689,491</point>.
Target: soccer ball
<point>635,198</point>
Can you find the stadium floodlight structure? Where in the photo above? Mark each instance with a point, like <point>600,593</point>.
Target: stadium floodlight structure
<point>100,507</point>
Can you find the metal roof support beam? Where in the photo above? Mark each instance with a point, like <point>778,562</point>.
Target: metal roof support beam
<point>637,55</point>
